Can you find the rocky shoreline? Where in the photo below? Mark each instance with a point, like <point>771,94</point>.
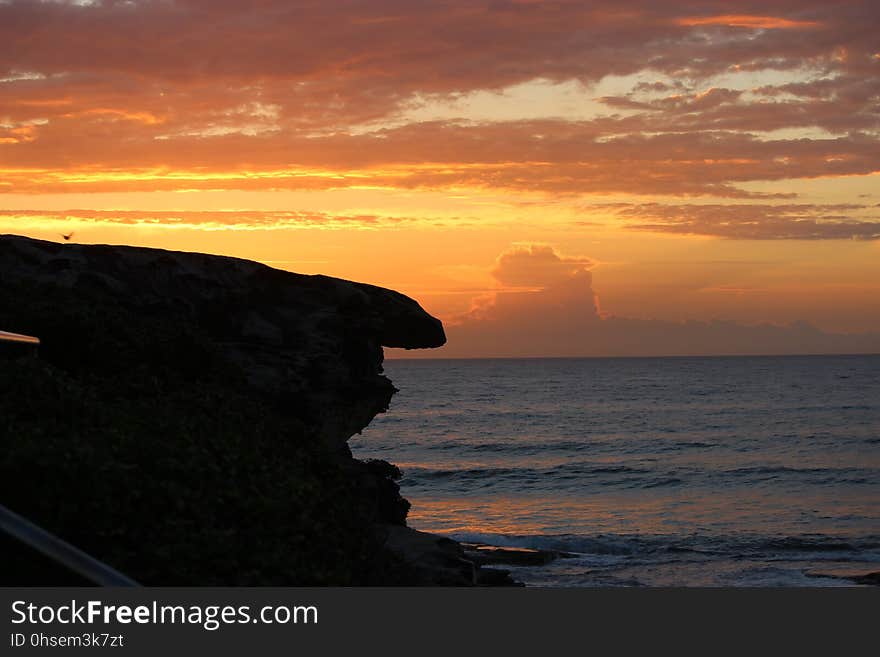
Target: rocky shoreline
<point>186,420</point>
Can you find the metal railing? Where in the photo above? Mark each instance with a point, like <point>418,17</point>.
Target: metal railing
<point>60,552</point>
<point>17,338</point>
<point>38,539</point>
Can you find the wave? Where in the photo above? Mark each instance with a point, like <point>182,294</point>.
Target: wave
<point>662,482</point>
<point>557,473</point>
<point>641,475</point>
<point>566,446</point>
<point>508,447</point>
<point>660,547</point>
<point>812,475</point>
<point>785,469</point>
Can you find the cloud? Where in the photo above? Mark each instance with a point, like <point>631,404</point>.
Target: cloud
<point>755,221</point>
<point>536,265</point>
<point>562,319</point>
<point>198,94</point>
<point>751,22</point>
<point>557,157</point>
<point>538,287</point>
<point>203,220</point>
<point>463,45</point>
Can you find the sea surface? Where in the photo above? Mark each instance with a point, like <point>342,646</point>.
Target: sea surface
<point>725,471</point>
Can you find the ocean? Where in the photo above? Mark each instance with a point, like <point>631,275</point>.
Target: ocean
<point>721,471</point>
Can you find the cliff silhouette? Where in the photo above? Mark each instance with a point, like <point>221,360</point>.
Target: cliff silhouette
<point>186,420</point>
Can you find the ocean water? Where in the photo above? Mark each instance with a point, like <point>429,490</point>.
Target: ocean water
<point>722,471</point>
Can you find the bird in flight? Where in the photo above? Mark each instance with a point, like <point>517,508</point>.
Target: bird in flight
<point>67,237</point>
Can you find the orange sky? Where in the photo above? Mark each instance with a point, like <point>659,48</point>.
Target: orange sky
<point>612,169</point>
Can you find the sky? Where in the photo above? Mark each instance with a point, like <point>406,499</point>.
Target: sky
<point>549,178</point>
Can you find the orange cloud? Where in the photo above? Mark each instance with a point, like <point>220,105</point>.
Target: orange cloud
<point>756,221</point>
<point>207,220</point>
<point>551,288</point>
<point>536,265</point>
<point>568,158</point>
<point>141,117</point>
<point>316,96</point>
<point>747,21</point>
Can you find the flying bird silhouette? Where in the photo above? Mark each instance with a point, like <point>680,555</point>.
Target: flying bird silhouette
<point>67,237</point>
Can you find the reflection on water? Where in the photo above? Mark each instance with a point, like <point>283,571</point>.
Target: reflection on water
<point>725,458</point>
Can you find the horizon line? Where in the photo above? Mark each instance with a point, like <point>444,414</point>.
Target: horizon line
<point>631,356</point>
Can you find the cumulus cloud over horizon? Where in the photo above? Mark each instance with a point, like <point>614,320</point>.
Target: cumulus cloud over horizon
<point>536,265</point>
<point>561,317</point>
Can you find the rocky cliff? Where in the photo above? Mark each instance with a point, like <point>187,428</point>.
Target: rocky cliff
<point>186,419</point>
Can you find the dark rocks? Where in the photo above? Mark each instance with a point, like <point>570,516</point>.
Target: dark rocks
<point>312,344</point>
<point>867,579</point>
<point>860,574</point>
<point>511,556</point>
<point>439,561</point>
<point>379,479</point>
<point>187,417</point>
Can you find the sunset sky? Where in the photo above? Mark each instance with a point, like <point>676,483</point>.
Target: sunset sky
<point>549,178</point>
